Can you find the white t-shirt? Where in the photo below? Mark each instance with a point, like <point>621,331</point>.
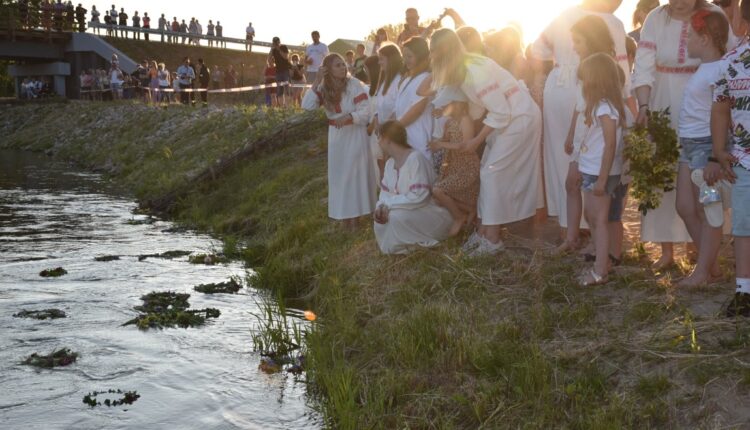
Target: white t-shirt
<point>695,114</point>
<point>115,77</point>
<point>592,146</point>
<point>250,31</point>
<point>317,53</point>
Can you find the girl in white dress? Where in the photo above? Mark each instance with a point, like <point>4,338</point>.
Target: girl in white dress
<point>406,215</point>
<point>391,63</point>
<point>560,89</point>
<point>509,173</point>
<point>662,69</point>
<point>412,110</point>
<point>351,169</point>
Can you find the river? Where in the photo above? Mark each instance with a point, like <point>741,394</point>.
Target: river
<point>198,378</point>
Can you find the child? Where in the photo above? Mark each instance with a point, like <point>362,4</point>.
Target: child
<point>600,161</point>
<point>729,110</point>
<point>706,41</point>
<point>457,188</point>
<point>269,75</point>
<point>406,214</point>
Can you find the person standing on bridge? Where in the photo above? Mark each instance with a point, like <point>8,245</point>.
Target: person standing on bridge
<point>198,32</point>
<point>210,32</point>
<point>123,23</point>
<point>162,26</point>
<point>95,18</point>
<point>59,10</point>
<point>249,36</point>
<point>70,12</point>
<point>136,26</point>
<point>81,18</point>
<point>113,20</point>
<point>220,35</point>
<point>46,15</point>
<point>183,30</point>
<point>146,25</point>
<point>175,29</point>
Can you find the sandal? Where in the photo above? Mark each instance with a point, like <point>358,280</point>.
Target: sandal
<point>591,278</point>
<point>590,258</point>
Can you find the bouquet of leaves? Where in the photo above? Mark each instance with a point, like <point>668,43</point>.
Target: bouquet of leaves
<point>653,151</point>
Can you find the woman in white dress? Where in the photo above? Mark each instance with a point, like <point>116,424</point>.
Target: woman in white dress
<point>406,215</point>
<point>561,89</point>
<point>351,170</point>
<point>662,69</point>
<point>391,63</point>
<point>412,110</point>
<point>509,174</point>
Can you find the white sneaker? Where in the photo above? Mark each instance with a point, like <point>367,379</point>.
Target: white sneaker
<point>487,248</point>
<point>471,243</point>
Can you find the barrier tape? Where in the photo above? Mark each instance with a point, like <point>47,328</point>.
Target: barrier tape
<point>219,91</point>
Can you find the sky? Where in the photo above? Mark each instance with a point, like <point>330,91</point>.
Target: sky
<point>294,21</point>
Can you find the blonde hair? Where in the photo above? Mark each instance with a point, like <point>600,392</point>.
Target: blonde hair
<point>448,59</point>
<point>332,89</point>
<point>601,79</point>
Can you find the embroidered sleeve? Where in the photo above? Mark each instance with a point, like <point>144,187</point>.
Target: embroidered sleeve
<point>644,70</point>
<point>418,186</point>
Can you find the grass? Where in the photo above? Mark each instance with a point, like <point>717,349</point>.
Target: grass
<point>432,339</point>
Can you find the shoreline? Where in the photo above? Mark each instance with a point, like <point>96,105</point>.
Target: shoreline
<point>431,339</point>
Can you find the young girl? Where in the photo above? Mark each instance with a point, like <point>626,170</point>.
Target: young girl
<point>391,63</point>
<point>457,188</point>
<point>406,214</point>
<point>270,77</point>
<point>706,41</point>
<point>600,161</point>
<point>372,69</point>
<point>412,110</point>
<point>351,171</point>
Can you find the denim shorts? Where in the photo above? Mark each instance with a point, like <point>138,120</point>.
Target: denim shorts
<point>617,205</point>
<point>741,203</point>
<point>281,77</point>
<point>695,151</point>
<point>589,180</point>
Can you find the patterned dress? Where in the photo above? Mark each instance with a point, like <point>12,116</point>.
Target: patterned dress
<point>459,173</point>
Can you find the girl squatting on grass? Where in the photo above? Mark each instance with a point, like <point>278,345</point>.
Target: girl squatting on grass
<point>600,161</point>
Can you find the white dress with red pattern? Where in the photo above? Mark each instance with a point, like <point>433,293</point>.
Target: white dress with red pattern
<point>414,219</point>
<point>352,179</point>
<point>662,63</point>
<point>510,176</point>
<point>560,93</point>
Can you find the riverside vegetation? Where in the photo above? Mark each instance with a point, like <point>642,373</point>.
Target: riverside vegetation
<point>431,339</point>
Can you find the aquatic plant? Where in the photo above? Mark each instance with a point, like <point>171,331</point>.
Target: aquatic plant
<point>208,259</point>
<point>106,258</point>
<point>231,286</point>
<point>279,338</point>
<point>53,273</point>
<point>166,255</point>
<point>169,309</point>
<point>61,357</point>
<point>128,398</point>
<point>41,315</point>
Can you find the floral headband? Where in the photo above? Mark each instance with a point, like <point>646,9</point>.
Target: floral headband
<point>698,20</point>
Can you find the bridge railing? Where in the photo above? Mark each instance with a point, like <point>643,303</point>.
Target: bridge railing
<point>176,35</point>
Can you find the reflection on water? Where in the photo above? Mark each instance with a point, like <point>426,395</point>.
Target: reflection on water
<point>198,378</point>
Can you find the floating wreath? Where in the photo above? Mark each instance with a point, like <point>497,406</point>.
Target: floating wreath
<point>652,152</point>
<point>128,397</point>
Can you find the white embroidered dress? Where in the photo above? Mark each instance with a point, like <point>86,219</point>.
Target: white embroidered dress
<point>352,180</point>
<point>419,132</point>
<point>662,63</point>
<point>560,94</point>
<point>413,217</point>
<point>510,174</point>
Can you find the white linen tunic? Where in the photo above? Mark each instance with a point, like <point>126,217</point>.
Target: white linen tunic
<point>510,174</point>
<point>352,180</point>
<point>662,63</point>
<point>419,132</point>
<point>413,217</point>
<point>560,92</point>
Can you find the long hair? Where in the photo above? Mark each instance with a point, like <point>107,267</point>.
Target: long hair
<point>332,89</point>
<point>448,59</point>
<point>714,24</point>
<point>373,72</point>
<point>395,63</point>
<point>595,32</point>
<point>641,10</point>
<point>602,79</point>
<point>504,46</point>
<point>421,50</point>
<point>394,132</point>
<point>699,4</point>
<point>471,39</point>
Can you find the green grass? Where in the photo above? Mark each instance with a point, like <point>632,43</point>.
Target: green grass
<point>432,339</point>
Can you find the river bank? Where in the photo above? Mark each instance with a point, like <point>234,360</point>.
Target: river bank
<point>432,339</point>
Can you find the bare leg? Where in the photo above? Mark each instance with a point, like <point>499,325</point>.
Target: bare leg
<point>707,267</point>
<point>459,217</point>
<point>492,233</point>
<point>597,210</point>
<point>687,203</point>
<point>574,209</point>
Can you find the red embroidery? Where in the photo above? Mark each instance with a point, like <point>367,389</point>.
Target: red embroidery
<point>347,122</point>
<point>739,84</point>
<point>511,91</point>
<point>337,108</point>
<point>647,45</point>
<point>487,90</point>
<point>676,70</point>
<point>360,98</point>
<point>621,57</point>
<point>419,187</point>
<point>320,96</point>
<point>682,52</point>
